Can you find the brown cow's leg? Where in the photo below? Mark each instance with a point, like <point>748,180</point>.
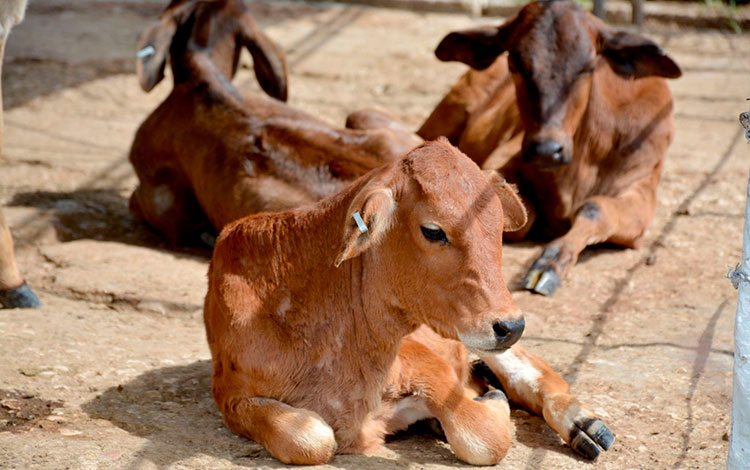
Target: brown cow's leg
<point>9,276</point>
<point>621,220</point>
<point>292,435</point>
<point>14,293</point>
<point>529,381</point>
<point>478,430</point>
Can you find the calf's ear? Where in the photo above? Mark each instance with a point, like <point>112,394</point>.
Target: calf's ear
<point>477,48</point>
<point>632,55</point>
<point>153,48</point>
<point>515,216</point>
<point>368,219</point>
<point>154,43</point>
<point>269,61</point>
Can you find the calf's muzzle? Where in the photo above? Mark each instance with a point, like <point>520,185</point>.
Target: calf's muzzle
<point>546,154</point>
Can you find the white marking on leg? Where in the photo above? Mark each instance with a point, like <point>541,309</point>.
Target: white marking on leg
<point>249,167</point>
<point>163,199</point>
<point>283,307</point>
<point>409,410</point>
<point>520,374</point>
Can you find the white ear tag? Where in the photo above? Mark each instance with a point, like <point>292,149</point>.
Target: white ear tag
<point>360,222</point>
<point>145,52</point>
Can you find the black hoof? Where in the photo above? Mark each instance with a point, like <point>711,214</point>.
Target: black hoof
<point>546,283</point>
<point>493,395</point>
<point>590,438</point>
<point>20,297</point>
<point>542,277</point>
<point>209,239</point>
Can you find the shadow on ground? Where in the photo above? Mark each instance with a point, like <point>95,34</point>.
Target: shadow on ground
<point>51,74</point>
<point>95,214</point>
<point>172,408</point>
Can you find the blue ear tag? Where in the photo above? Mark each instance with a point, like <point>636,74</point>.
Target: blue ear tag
<point>360,222</point>
<point>145,52</point>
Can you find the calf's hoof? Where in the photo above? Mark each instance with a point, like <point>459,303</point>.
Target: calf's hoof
<point>493,395</point>
<point>19,297</point>
<point>579,427</point>
<point>543,277</point>
<point>590,437</point>
<point>209,239</point>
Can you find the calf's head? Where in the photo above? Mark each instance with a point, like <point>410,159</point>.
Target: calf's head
<point>217,29</point>
<point>430,234</point>
<point>554,48</point>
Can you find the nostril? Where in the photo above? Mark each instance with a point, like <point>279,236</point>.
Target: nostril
<point>548,148</point>
<point>501,331</point>
<point>508,332</point>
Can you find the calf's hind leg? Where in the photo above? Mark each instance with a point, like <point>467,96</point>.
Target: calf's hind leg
<point>171,208</point>
<point>292,435</point>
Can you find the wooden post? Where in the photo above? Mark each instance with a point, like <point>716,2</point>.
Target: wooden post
<point>637,11</point>
<point>599,8</point>
<point>637,18</point>
<point>739,441</point>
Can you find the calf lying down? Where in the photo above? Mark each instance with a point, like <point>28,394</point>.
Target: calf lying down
<point>337,323</point>
<point>577,114</point>
<point>208,155</point>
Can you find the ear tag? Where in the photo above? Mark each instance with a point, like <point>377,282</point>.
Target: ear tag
<point>360,222</point>
<point>145,52</point>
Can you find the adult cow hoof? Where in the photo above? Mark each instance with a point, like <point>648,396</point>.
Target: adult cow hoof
<point>19,297</point>
<point>590,437</point>
<point>543,277</point>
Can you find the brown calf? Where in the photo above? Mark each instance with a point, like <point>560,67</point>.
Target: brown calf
<point>207,156</point>
<point>337,323</point>
<point>577,115</point>
<point>14,292</point>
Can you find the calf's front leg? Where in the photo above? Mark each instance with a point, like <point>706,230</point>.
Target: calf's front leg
<point>620,220</point>
<point>424,385</point>
<point>530,382</point>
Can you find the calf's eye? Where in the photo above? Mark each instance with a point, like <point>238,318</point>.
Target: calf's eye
<point>434,234</point>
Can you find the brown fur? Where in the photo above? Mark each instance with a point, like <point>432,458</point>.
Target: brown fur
<point>325,338</point>
<point>207,156</point>
<point>597,93</point>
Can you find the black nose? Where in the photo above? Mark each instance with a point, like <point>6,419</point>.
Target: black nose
<point>547,148</point>
<point>508,332</point>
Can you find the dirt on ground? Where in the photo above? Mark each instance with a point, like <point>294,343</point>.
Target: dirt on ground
<point>113,371</point>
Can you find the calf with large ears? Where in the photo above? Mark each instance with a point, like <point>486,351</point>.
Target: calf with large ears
<point>339,322</point>
<point>577,114</point>
<point>209,155</point>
